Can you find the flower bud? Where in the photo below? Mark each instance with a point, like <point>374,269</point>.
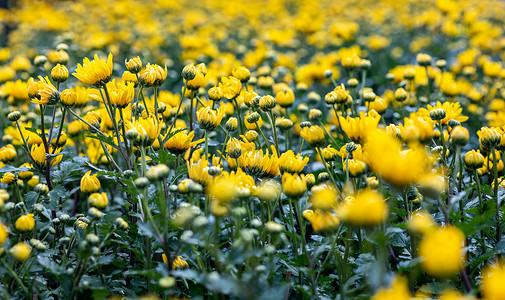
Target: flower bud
<point>323,176</point>
<point>315,114</point>
<point>305,124</point>
<point>459,136</point>
<point>215,93</point>
<point>231,124</point>
<point>214,171</point>
<point>141,182</point>
<point>267,103</point>
<point>437,114</point>
<point>95,213</point>
<point>352,83</point>
<point>441,64</point>
<point>133,65</point>
<point>40,60</point>
<point>313,97</point>
<point>369,96</point>
<point>59,73</point>
<point>286,124</point>
<point>14,116</point>
<point>253,117</point>
<point>251,136</point>
<point>120,223</point>
<point>453,123</point>
<point>41,189</point>
<point>189,72</point>
<point>68,98</point>
<point>474,160</point>
<point>423,59</point>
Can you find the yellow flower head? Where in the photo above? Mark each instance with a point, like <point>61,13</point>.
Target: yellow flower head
<point>493,277</point>
<point>291,163</point>
<point>366,208</point>
<point>38,153</point>
<point>398,290</point>
<point>386,158</point>
<point>48,94</point>
<point>453,111</point>
<point>222,192</point>
<point>420,221</point>
<point>324,197</point>
<point>96,72</point>
<point>357,128</point>
<point>178,263</point>
<point>25,223</point>
<point>285,98</point>
<point>153,75</point>
<point>99,201</point>
<point>8,178</point>
<point>314,135</point>
<point>258,164</point>
<point>442,252</point>
<point>4,234</point>
<point>230,86</point>
<point>321,220</point>
<point>89,183</point>
<point>209,118</point>
<point>294,185</point>
<point>181,141</point>
<point>21,251</point>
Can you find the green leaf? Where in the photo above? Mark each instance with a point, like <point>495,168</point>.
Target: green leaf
<point>50,265</point>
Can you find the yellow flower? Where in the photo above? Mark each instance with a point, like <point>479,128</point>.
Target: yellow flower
<point>7,153</point>
<point>4,234</point>
<point>258,164</point>
<point>8,178</point>
<point>453,111</point>
<point>442,252</point>
<point>197,82</point>
<point>99,201</point>
<point>385,157</point>
<point>178,263</point>
<point>181,141</point>
<point>25,223</point>
<point>294,185</point>
<point>420,221</point>
<point>59,73</point>
<point>493,277</point>
<point>366,208</point>
<point>152,75</point>
<point>133,65</point>
<point>234,148</point>
<point>122,95</point>
<point>357,128</point>
<point>230,86</point>
<point>398,290</point>
<point>324,198</point>
<point>96,72</point>
<point>48,94</point>
<point>321,220</point>
<point>356,167</point>
<point>489,137</point>
<point>199,171</point>
<point>208,118</point>
<point>314,135</point>
<point>38,153</point>
<point>474,160</point>
<point>148,129</point>
<point>68,97</point>
<point>241,73</point>
<point>89,183</point>
<point>21,251</point>
<point>291,163</point>
<point>285,98</point>
<point>222,192</point>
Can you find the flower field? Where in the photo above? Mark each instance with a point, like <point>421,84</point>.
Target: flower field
<point>254,149</point>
